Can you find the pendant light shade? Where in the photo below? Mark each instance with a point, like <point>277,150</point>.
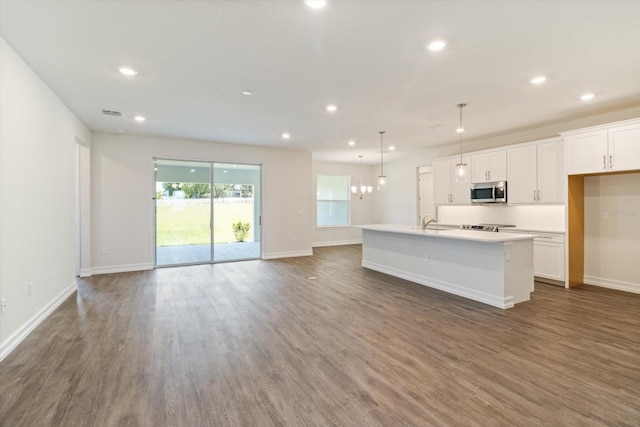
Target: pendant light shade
<point>382,179</point>
<point>462,169</point>
<point>361,189</point>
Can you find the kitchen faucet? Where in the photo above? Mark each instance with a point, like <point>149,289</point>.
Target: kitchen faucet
<point>425,224</point>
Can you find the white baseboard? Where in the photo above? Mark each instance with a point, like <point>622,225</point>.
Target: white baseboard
<point>85,272</point>
<point>337,243</point>
<point>122,268</point>
<point>612,284</point>
<point>276,255</point>
<point>18,336</point>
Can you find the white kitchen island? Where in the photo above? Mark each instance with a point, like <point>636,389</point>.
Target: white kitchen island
<point>493,268</point>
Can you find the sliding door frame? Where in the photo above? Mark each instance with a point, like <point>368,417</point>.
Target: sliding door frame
<point>257,218</point>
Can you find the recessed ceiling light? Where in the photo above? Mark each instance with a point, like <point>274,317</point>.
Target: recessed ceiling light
<point>155,169</point>
<point>247,92</point>
<point>225,171</point>
<point>587,96</point>
<point>331,108</point>
<point>315,4</point>
<point>436,45</point>
<point>235,166</point>
<point>460,130</point>
<point>392,147</point>
<point>286,136</point>
<point>538,80</point>
<point>351,143</point>
<point>139,118</point>
<point>192,170</point>
<point>128,71</point>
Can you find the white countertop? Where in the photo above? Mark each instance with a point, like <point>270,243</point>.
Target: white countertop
<point>534,230</point>
<point>478,236</point>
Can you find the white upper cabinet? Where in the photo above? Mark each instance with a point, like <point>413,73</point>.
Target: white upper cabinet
<point>624,147</point>
<point>521,183</point>
<point>489,167</point>
<point>536,173</point>
<point>609,148</point>
<point>449,189</point>
<point>442,182</point>
<point>552,181</point>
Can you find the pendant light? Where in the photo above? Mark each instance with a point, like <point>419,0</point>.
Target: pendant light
<point>382,180</point>
<point>462,174</point>
<point>361,189</point>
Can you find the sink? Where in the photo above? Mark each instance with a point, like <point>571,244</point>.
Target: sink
<point>441,227</point>
<point>434,226</point>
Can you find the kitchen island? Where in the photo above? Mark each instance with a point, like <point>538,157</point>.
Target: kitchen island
<point>492,268</point>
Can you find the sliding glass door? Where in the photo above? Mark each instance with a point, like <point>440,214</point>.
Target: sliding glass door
<point>183,212</point>
<point>191,196</point>
<point>236,211</point>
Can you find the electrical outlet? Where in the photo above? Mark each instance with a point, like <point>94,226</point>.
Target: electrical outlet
<point>30,288</point>
<point>105,250</point>
<point>3,305</point>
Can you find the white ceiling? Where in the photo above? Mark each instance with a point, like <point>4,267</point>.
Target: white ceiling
<point>367,57</point>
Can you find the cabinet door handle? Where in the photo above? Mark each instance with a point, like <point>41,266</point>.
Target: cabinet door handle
<point>604,162</point>
<point>538,195</point>
<point>534,195</point>
<point>610,162</point>
<point>488,175</point>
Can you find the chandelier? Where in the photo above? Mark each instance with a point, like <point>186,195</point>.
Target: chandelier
<point>361,189</point>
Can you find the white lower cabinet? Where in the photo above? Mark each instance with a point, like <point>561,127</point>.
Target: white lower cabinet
<point>548,256</point>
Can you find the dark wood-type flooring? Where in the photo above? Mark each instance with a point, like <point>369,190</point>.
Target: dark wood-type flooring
<point>259,343</point>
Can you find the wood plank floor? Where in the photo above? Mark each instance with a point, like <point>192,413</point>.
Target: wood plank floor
<point>258,343</point>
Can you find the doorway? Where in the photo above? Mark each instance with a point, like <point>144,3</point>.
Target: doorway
<point>206,212</point>
<point>426,206</point>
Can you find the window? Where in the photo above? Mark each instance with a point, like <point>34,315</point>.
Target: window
<point>333,201</point>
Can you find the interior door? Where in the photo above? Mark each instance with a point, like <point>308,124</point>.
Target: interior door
<point>425,194</point>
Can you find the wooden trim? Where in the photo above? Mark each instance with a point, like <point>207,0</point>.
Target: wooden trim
<point>575,214</point>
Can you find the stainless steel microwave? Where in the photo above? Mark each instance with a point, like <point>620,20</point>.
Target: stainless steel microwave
<point>489,192</point>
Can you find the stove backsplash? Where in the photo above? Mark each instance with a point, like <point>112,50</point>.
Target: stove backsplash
<point>544,218</point>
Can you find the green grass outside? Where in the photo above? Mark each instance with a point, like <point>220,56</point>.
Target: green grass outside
<point>190,226</point>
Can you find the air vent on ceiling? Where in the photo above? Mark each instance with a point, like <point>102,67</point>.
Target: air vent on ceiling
<point>112,113</point>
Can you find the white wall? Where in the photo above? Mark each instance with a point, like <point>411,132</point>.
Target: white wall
<point>361,210</point>
<point>122,188</point>
<point>399,203</point>
<point>37,198</point>
<point>612,231</point>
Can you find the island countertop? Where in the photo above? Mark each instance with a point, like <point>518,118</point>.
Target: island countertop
<point>493,268</point>
<point>478,236</point>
